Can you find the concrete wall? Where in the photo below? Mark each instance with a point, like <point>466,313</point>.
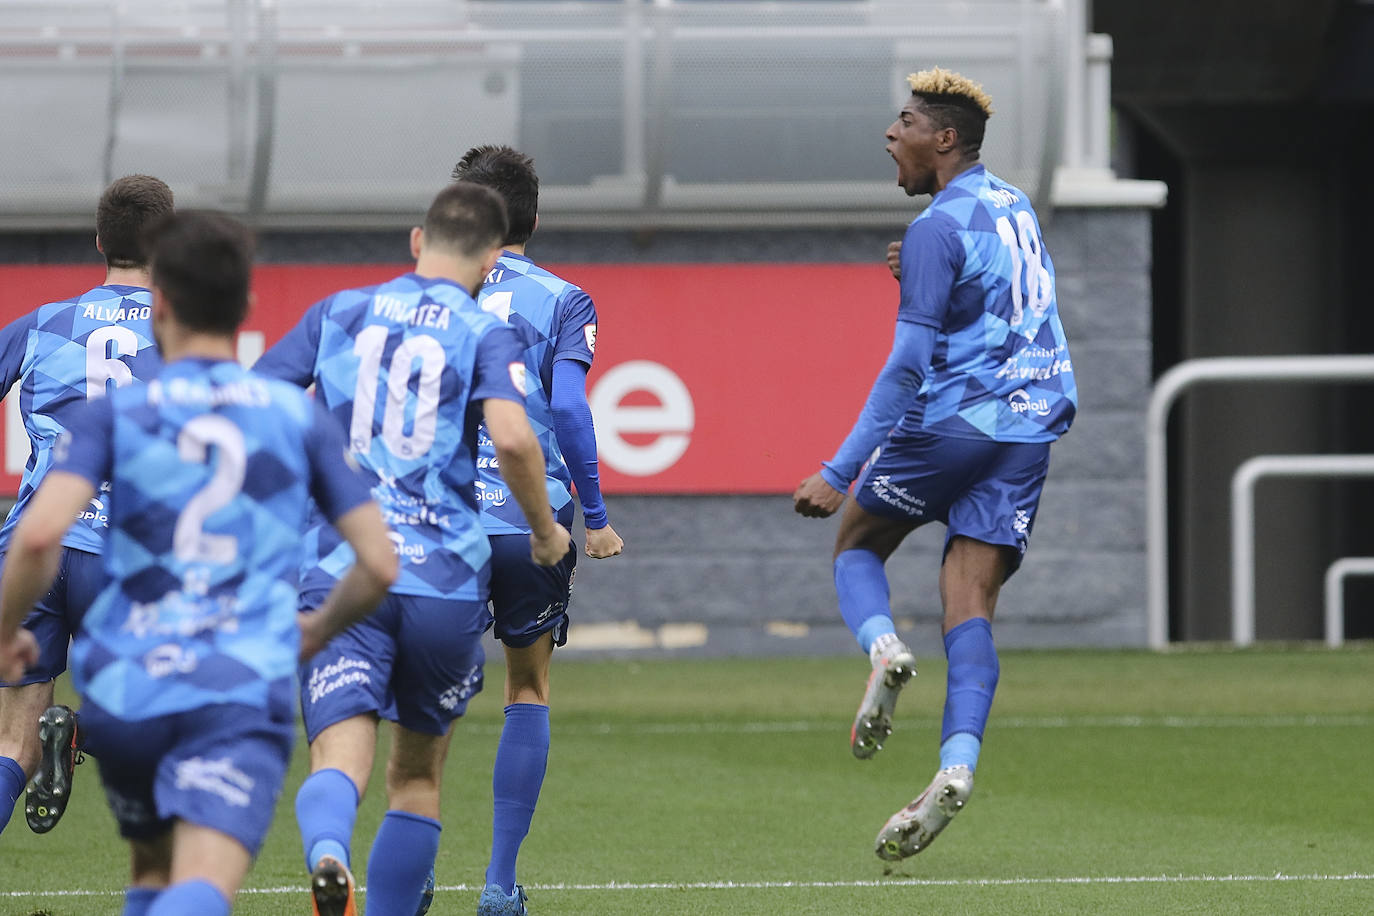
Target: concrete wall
<point>744,574</point>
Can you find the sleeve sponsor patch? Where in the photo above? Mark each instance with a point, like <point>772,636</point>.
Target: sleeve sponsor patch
<point>517,377</point>
<point>589,332</point>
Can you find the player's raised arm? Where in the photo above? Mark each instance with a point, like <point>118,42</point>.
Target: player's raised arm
<point>522,466</point>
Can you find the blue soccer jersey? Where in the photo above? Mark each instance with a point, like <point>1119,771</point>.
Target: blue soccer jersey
<point>403,366</point>
<point>211,471</point>
<point>63,354</point>
<point>555,320</point>
<point>975,268</point>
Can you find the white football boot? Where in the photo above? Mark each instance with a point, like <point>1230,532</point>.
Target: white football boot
<point>893,666</point>
<point>918,824</point>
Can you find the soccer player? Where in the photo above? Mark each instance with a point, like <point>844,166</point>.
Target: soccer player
<point>410,367</point>
<point>186,661</point>
<point>957,429</point>
<point>62,354</point>
<point>556,322</point>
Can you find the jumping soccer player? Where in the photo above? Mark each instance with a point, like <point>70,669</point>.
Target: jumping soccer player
<point>63,354</point>
<point>957,429</point>
<point>410,367</point>
<point>556,322</point>
<point>186,662</point>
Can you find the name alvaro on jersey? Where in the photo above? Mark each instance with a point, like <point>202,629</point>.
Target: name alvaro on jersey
<point>106,313</point>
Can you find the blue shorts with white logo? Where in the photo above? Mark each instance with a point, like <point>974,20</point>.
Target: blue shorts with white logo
<point>529,600</point>
<point>219,766</point>
<point>984,490</point>
<point>58,614</point>
<point>415,661</point>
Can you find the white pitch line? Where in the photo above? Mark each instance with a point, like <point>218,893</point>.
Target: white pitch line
<point>1278,877</point>
<point>1016,722</point>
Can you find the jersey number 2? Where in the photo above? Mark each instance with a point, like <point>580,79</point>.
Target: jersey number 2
<point>190,543</point>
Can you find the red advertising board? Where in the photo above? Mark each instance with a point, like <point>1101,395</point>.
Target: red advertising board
<point>709,378</point>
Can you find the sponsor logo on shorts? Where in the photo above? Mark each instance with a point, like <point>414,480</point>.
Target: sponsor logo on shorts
<point>1021,402</point>
<point>169,659</point>
<point>218,777</point>
<point>883,488</point>
<point>345,671</point>
<point>465,689</point>
<point>552,610</point>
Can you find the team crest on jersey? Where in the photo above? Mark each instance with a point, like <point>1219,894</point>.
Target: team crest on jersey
<point>589,332</point>
<point>517,377</point>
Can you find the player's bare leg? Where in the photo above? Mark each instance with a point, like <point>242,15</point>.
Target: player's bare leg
<point>348,748</point>
<point>862,547</point>
<point>970,579</point>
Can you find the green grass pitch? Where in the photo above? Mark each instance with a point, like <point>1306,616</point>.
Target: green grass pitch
<point>1197,781</point>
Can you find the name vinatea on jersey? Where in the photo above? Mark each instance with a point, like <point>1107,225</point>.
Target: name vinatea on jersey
<point>246,393</point>
<point>110,313</point>
<point>428,315</point>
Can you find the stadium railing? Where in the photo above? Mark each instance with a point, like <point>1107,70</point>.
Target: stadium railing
<point>1171,386</point>
<point>665,113</point>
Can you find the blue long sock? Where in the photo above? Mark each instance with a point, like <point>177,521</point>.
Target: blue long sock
<point>138,900</point>
<point>402,855</point>
<point>326,807</point>
<point>865,602</point>
<point>11,786</point>
<point>516,779</point>
<point>199,897</point>
<point>973,673</point>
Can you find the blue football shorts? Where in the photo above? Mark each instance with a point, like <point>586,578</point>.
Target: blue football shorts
<point>529,600</point>
<point>218,766</point>
<point>984,490</point>
<point>415,661</point>
<point>58,614</point>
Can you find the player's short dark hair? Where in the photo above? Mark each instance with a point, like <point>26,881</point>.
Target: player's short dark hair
<point>511,174</point>
<point>128,206</point>
<point>466,218</point>
<point>202,262</point>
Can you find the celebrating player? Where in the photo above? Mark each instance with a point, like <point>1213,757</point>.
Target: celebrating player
<point>410,367</point>
<point>556,322</point>
<point>186,661</point>
<point>957,429</point>
<point>62,354</point>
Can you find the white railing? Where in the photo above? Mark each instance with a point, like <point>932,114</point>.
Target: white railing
<point>1172,385</point>
<point>1334,594</point>
<point>1243,484</point>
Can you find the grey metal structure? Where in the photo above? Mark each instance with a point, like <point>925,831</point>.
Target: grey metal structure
<point>1170,387</point>
<point>1334,597</point>
<point>695,112</point>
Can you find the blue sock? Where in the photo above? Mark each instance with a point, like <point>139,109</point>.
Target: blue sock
<point>865,603</point>
<point>138,900</point>
<point>516,779</point>
<point>973,672</point>
<point>199,897</point>
<point>326,806</point>
<point>402,855</point>
<point>11,787</point>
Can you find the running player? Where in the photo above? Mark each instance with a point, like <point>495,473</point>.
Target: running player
<point>186,661</point>
<point>410,367</point>
<point>62,354</point>
<point>956,429</point>
<point>556,322</point>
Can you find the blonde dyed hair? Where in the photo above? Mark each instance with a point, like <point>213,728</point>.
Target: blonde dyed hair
<point>940,82</point>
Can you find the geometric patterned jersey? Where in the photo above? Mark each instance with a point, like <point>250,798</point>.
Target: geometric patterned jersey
<point>555,320</point>
<point>975,268</point>
<point>63,354</point>
<point>402,366</point>
<point>211,471</point>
